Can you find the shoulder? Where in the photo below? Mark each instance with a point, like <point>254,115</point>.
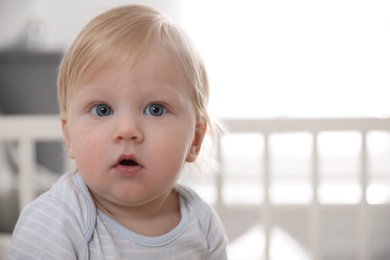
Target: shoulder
<point>209,222</point>
<point>60,202</point>
<point>204,212</point>
<point>58,221</point>
<point>70,198</point>
<point>191,197</point>
<point>72,194</point>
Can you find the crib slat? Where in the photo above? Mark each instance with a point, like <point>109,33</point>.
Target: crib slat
<point>315,226</point>
<point>26,170</point>
<point>220,205</point>
<point>364,213</point>
<point>266,213</point>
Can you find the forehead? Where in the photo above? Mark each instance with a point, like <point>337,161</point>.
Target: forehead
<point>130,60</point>
<point>152,68</point>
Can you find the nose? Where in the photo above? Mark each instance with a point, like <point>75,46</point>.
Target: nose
<point>128,129</point>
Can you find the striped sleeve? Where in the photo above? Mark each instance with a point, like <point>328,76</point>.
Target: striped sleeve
<point>209,222</point>
<point>47,229</point>
<point>216,237</point>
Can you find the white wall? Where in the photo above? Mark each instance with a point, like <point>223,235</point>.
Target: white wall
<point>60,20</point>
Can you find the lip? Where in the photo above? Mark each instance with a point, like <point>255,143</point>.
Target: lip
<point>128,165</point>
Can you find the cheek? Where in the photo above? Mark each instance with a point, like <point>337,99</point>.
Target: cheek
<point>172,148</point>
<point>86,149</point>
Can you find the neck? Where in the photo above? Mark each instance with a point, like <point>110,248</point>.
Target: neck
<point>155,218</point>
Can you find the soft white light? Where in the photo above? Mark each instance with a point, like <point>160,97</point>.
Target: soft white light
<point>294,58</point>
<point>251,246</point>
<point>378,194</point>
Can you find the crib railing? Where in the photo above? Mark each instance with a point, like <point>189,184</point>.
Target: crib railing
<point>27,130</point>
<point>314,127</point>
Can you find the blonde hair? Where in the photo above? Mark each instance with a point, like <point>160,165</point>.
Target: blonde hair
<point>125,34</point>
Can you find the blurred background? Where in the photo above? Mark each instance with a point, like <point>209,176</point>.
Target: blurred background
<point>286,188</point>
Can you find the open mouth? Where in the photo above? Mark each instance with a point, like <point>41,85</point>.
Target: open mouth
<point>128,162</point>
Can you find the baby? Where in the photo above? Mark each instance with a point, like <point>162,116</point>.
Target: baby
<point>133,94</point>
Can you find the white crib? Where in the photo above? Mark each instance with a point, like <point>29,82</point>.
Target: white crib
<point>27,130</point>
<point>315,127</point>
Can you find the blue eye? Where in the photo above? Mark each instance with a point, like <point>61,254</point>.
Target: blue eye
<point>102,110</point>
<point>155,110</point>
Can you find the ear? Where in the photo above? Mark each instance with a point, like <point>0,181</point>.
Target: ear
<point>200,131</point>
<point>65,132</point>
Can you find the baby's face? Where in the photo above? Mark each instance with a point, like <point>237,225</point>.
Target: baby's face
<point>131,130</point>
